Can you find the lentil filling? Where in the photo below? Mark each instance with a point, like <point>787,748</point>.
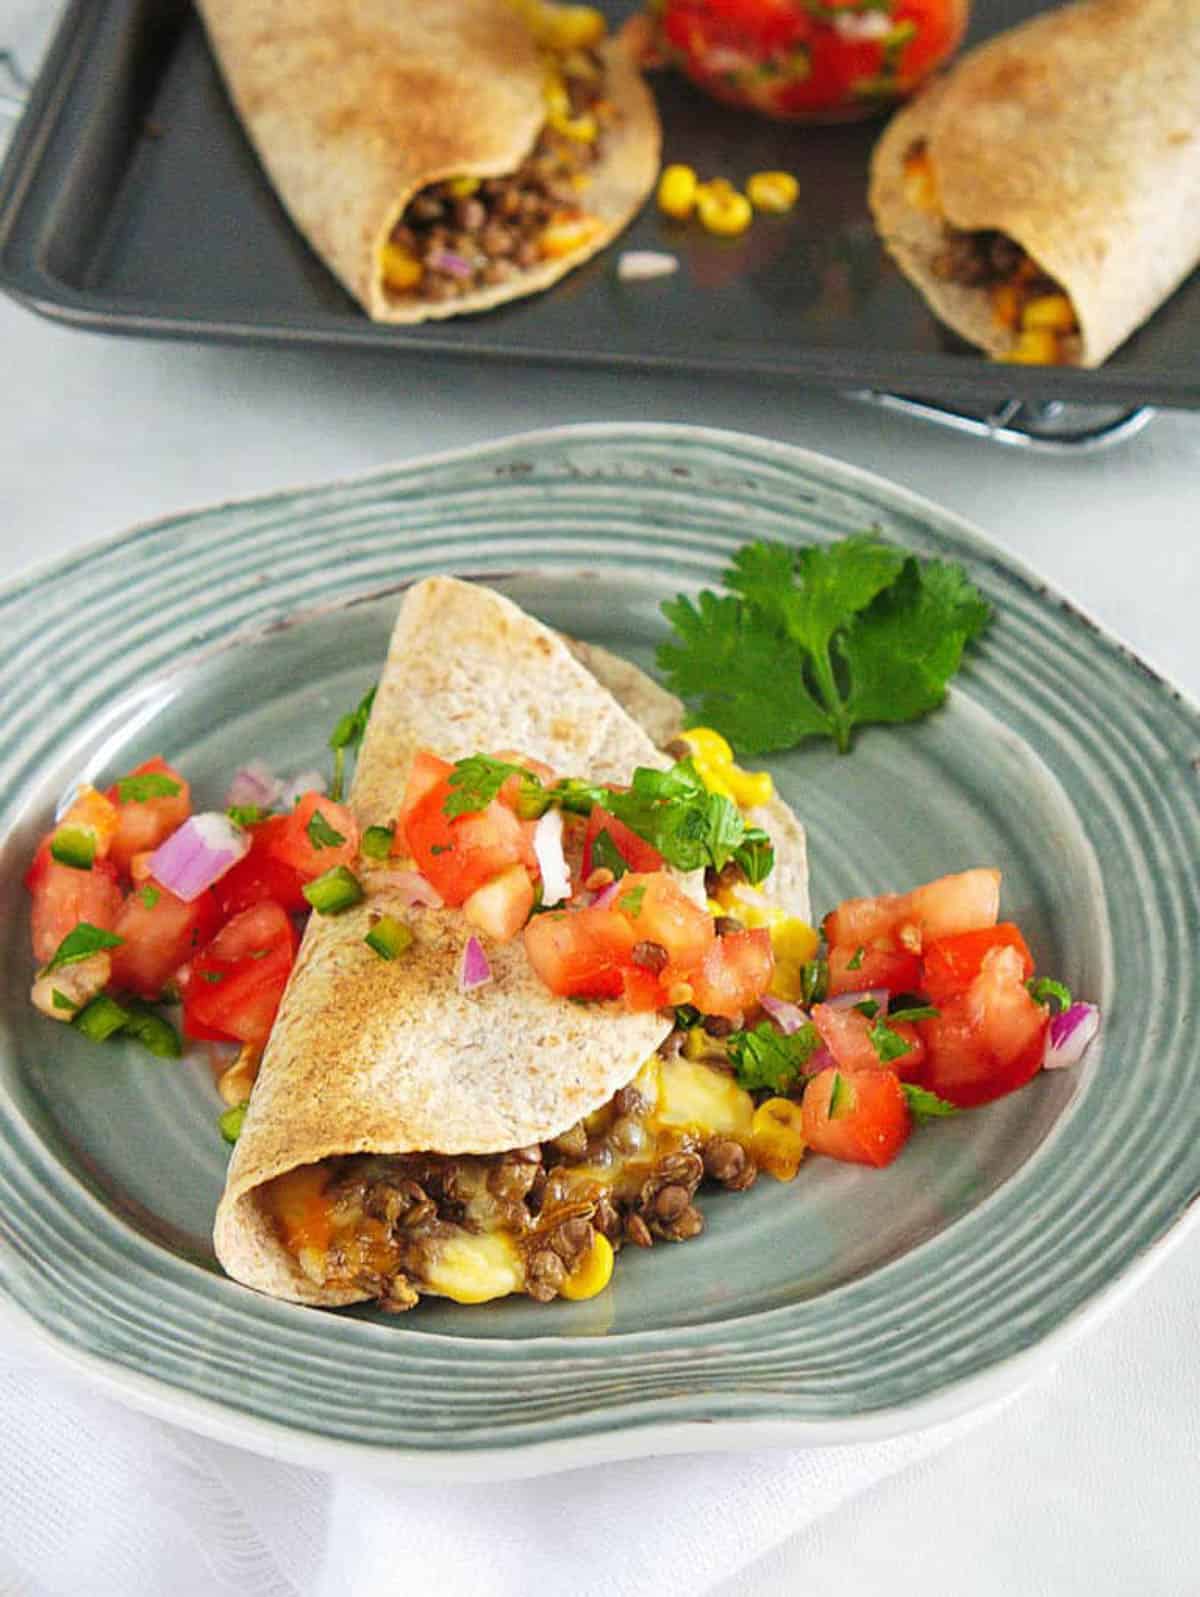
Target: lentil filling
<point>1023,297</point>
<point>464,234</point>
<point>543,1220</point>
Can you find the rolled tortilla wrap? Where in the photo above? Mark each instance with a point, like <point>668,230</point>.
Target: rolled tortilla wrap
<point>354,106</point>
<point>1077,135</point>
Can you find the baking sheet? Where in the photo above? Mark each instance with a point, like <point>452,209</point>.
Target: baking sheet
<point>131,202</point>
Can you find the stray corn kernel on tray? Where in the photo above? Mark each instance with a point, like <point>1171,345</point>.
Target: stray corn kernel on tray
<point>131,202</point>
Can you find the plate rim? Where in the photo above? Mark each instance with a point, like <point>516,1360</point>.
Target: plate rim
<point>616,1439</point>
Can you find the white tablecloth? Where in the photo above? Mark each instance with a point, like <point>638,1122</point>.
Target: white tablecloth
<point>1085,1483</point>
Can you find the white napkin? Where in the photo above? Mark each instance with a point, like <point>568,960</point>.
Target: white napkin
<point>98,1500</point>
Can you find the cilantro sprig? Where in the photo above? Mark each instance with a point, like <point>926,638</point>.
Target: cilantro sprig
<point>348,734</point>
<point>813,642</point>
<point>672,810</point>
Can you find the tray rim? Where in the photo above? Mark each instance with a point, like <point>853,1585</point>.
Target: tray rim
<point>25,277</point>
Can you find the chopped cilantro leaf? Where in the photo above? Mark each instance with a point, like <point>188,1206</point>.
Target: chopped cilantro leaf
<point>1044,988</point>
<point>765,1059</point>
<point>321,834</point>
<point>607,856</point>
<point>631,902</point>
<point>214,976</point>
<point>916,1012</point>
<point>926,1105</point>
<point>888,1044</point>
<point>815,641</point>
<point>149,895</point>
<point>476,783</point>
<point>61,1001</point>
<point>868,1007</point>
<point>149,785</point>
<point>856,962</point>
<point>841,1097</point>
<point>814,982</point>
<point>246,814</point>
<point>81,943</point>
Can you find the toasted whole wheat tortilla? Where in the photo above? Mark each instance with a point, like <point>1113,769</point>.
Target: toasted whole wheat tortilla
<point>355,105</point>
<point>369,1055</point>
<point>1078,135</point>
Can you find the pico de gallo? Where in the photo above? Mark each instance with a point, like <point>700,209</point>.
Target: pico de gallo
<point>650,896</point>
<point>818,60</point>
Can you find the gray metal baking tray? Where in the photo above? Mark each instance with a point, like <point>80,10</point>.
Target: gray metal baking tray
<point>131,202</point>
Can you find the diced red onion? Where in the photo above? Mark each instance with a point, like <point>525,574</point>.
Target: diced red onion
<point>606,895</point>
<point>860,27</point>
<point>788,1017</point>
<point>1069,1035</point>
<point>879,995</point>
<point>256,784</point>
<point>475,970</point>
<point>197,854</point>
<point>413,891</point>
<point>310,781</point>
<point>821,1060</point>
<point>552,862</point>
<point>450,262</point>
<point>639,266</point>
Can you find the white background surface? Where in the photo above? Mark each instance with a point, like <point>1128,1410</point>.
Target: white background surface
<point>1089,1482</point>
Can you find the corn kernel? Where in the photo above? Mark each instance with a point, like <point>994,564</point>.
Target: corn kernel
<point>401,269</point>
<point>772,191</point>
<point>1036,346</point>
<point>920,184</point>
<point>462,187</point>
<point>1006,304</point>
<point>569,27</point>
<point>564,237</point>
<point>582,129</point>
<point>677,192</point>
<point>1052,311</point>
<point>786,981</point>
<point>794,940</point>
<point>593,1272</point>
<point>750,788</point>
<point>726,214</point>
<point>776,1138</point>
<point>556,99</point>
<point>706,744</point>
<point>699,1046</point>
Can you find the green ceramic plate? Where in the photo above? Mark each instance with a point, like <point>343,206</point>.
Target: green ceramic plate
<point>848,1303</point>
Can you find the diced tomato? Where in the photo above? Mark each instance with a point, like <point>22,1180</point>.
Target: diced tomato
<point>989,1040</point>
<point>64,896</point>
<point>462,854</point>
<point>501,907</point>
<point>160,933</point>
<point>145,823</point>
<point>951,964</point>
<point>659,911</point>
<point>734,974</point>
<point>965,902</point>
<point>875,965</point>
<point>299,841</point>
<point>581,953</point>
<point>261,874</point>
<point>234,985</point>
<point>425,774</point>
<point>634,850</point>
<point>91,812</point>
<point>847,1035</point>
<point>870,1122</point>
<point>643,989</point>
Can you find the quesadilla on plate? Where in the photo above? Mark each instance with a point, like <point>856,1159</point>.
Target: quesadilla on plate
<point>1044,196</point>
<point>441,156</point>
<point>496,1104</point>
